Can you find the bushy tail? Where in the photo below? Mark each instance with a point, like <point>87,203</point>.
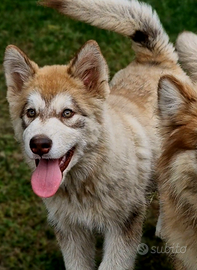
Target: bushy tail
<point>186,46</point>
<point>130,18</point>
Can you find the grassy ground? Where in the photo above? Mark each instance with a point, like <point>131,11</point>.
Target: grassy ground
<point>27,242</point>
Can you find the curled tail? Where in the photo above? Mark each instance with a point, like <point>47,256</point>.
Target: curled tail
<point>130,18</point>
<point>186,46</point>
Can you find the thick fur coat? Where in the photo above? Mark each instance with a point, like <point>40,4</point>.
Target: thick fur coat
<point>177,168</point>
<point>93,145</point>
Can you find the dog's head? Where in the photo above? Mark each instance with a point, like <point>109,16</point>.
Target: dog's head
<point>57,111</point>
<point>177,103</point>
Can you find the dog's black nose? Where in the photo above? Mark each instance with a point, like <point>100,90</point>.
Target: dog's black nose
<point>40,145</point>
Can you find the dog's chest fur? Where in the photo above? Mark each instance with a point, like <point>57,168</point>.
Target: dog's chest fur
<point>101,203</point>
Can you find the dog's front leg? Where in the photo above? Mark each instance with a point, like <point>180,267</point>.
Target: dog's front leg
<point>121,244</point>
<point>78,248</point>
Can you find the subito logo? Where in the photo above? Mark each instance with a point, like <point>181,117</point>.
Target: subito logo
<point>142,249</point>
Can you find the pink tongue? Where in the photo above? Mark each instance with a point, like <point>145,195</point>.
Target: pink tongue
<point>46,178</point>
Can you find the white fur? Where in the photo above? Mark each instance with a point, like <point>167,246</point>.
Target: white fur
<point>35,101</point>
<point>56,131</point>
<point>61,102</point>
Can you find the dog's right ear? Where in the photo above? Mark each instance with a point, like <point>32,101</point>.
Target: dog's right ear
<point>90,67</point>
<point>18,68</point>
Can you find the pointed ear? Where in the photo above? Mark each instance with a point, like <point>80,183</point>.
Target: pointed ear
<point>173,96</point>
<point>18,68</point>
<point>90,67</point>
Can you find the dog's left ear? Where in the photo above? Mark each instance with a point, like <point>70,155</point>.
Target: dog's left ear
<point>173,97</point>
<point>90,67</point>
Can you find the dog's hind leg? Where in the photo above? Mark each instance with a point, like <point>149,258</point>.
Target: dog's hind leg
<point>121,243</point>
<point>78,248</point>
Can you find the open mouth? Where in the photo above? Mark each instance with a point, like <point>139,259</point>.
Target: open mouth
<point>47,177</point>
<point>63,161</point>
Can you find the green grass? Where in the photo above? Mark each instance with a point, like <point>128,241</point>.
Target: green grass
<point>27,242</point>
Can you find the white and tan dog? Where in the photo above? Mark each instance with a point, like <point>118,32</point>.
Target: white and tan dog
<point>94,145</point>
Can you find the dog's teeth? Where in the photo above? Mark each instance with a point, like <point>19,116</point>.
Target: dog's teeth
<point>63,160</point>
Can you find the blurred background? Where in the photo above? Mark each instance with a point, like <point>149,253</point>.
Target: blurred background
<point>26,240</point>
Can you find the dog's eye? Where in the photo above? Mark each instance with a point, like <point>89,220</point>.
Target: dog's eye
<point>67,113</point>
<point>31,113</point>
